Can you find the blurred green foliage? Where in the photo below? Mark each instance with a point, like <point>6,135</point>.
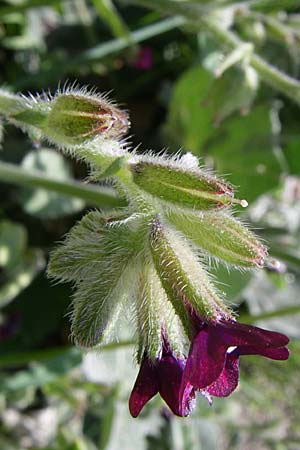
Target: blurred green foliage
<point>53,396</point>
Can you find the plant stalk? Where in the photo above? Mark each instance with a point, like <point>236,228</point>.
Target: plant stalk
<point>97,196</point>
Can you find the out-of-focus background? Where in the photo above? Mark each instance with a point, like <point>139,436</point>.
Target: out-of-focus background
<point>162,67</point>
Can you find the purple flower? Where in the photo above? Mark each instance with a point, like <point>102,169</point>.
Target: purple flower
<point>212,366</point>
<point>144,59</point>
<point>164,376</point>
<point>10,325</point>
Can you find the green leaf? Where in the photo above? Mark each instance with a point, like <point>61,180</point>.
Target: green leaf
<point>190,120</point>
<point>291,152</point>
<point>240,146</point>
<point>18,264</point>
<point>154,313</point>
<point>231,283</point>
<point>13,243</point>
<point>243,148</point>
<point>27,4</point>
<point>183,276</point>
<point>96,236</point>
<point>21,276</point>
<point>200,101</point>
<point>40,374</point>
<point>109,13</point>
<point>40,202</point>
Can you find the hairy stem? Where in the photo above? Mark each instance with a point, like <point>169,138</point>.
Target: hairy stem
<point>97,196</point>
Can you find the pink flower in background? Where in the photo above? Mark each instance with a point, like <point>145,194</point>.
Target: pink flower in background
<point>144,59</point>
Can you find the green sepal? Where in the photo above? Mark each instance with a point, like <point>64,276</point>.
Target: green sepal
<point>99,303</point>
<point>99,256</point>
<point>221,236</point>
<point>157,322</point>
<point>98,234</point>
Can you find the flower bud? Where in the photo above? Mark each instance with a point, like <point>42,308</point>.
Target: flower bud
<point>191,188</point>
<point>221,236</point>
<point>185,281</point>
<point>156,318</point>
<point>75,118</point>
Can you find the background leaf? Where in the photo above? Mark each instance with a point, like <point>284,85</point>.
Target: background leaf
<point>40,202</point>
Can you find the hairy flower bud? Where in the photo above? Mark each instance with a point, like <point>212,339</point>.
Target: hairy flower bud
<point>221,236</point>
<point>75,118</point>
<point>188,187</point>
<point>185,281</point>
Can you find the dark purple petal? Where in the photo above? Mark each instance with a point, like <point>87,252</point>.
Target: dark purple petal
<point>210,368</point>
<point>206,360</point>
<point>273,353</point>
<point>229,378</point>
<point>145,387</point>
<point>170,372</point>
<point>235,333</point>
